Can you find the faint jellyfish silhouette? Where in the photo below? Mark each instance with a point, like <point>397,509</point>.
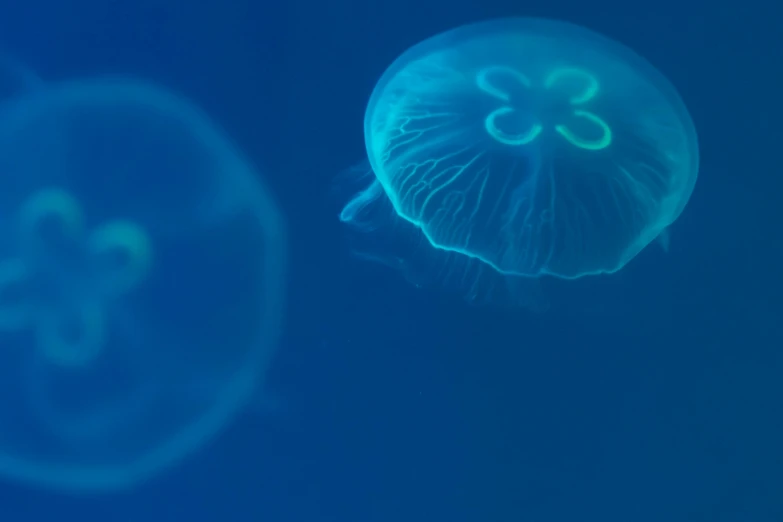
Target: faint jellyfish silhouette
<point>509,150</point>
<point>145,259</point>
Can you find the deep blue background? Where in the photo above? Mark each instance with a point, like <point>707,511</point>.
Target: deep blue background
<point>655,395</point>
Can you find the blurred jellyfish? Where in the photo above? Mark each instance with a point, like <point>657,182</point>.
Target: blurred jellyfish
<point>140,258</point>
<point>509,150</point>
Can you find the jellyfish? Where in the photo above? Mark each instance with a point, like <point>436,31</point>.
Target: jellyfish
<point>142,264</point>
<point>508,151</point>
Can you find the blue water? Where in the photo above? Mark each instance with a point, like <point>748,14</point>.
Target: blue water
<point>655,395</point>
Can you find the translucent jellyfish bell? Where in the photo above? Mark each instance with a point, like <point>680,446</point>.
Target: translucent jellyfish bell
<point>140,257</point>
<point>521,148</point>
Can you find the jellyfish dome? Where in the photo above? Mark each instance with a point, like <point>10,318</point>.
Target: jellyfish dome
<point>534,147</point>
<point>141,257</point>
